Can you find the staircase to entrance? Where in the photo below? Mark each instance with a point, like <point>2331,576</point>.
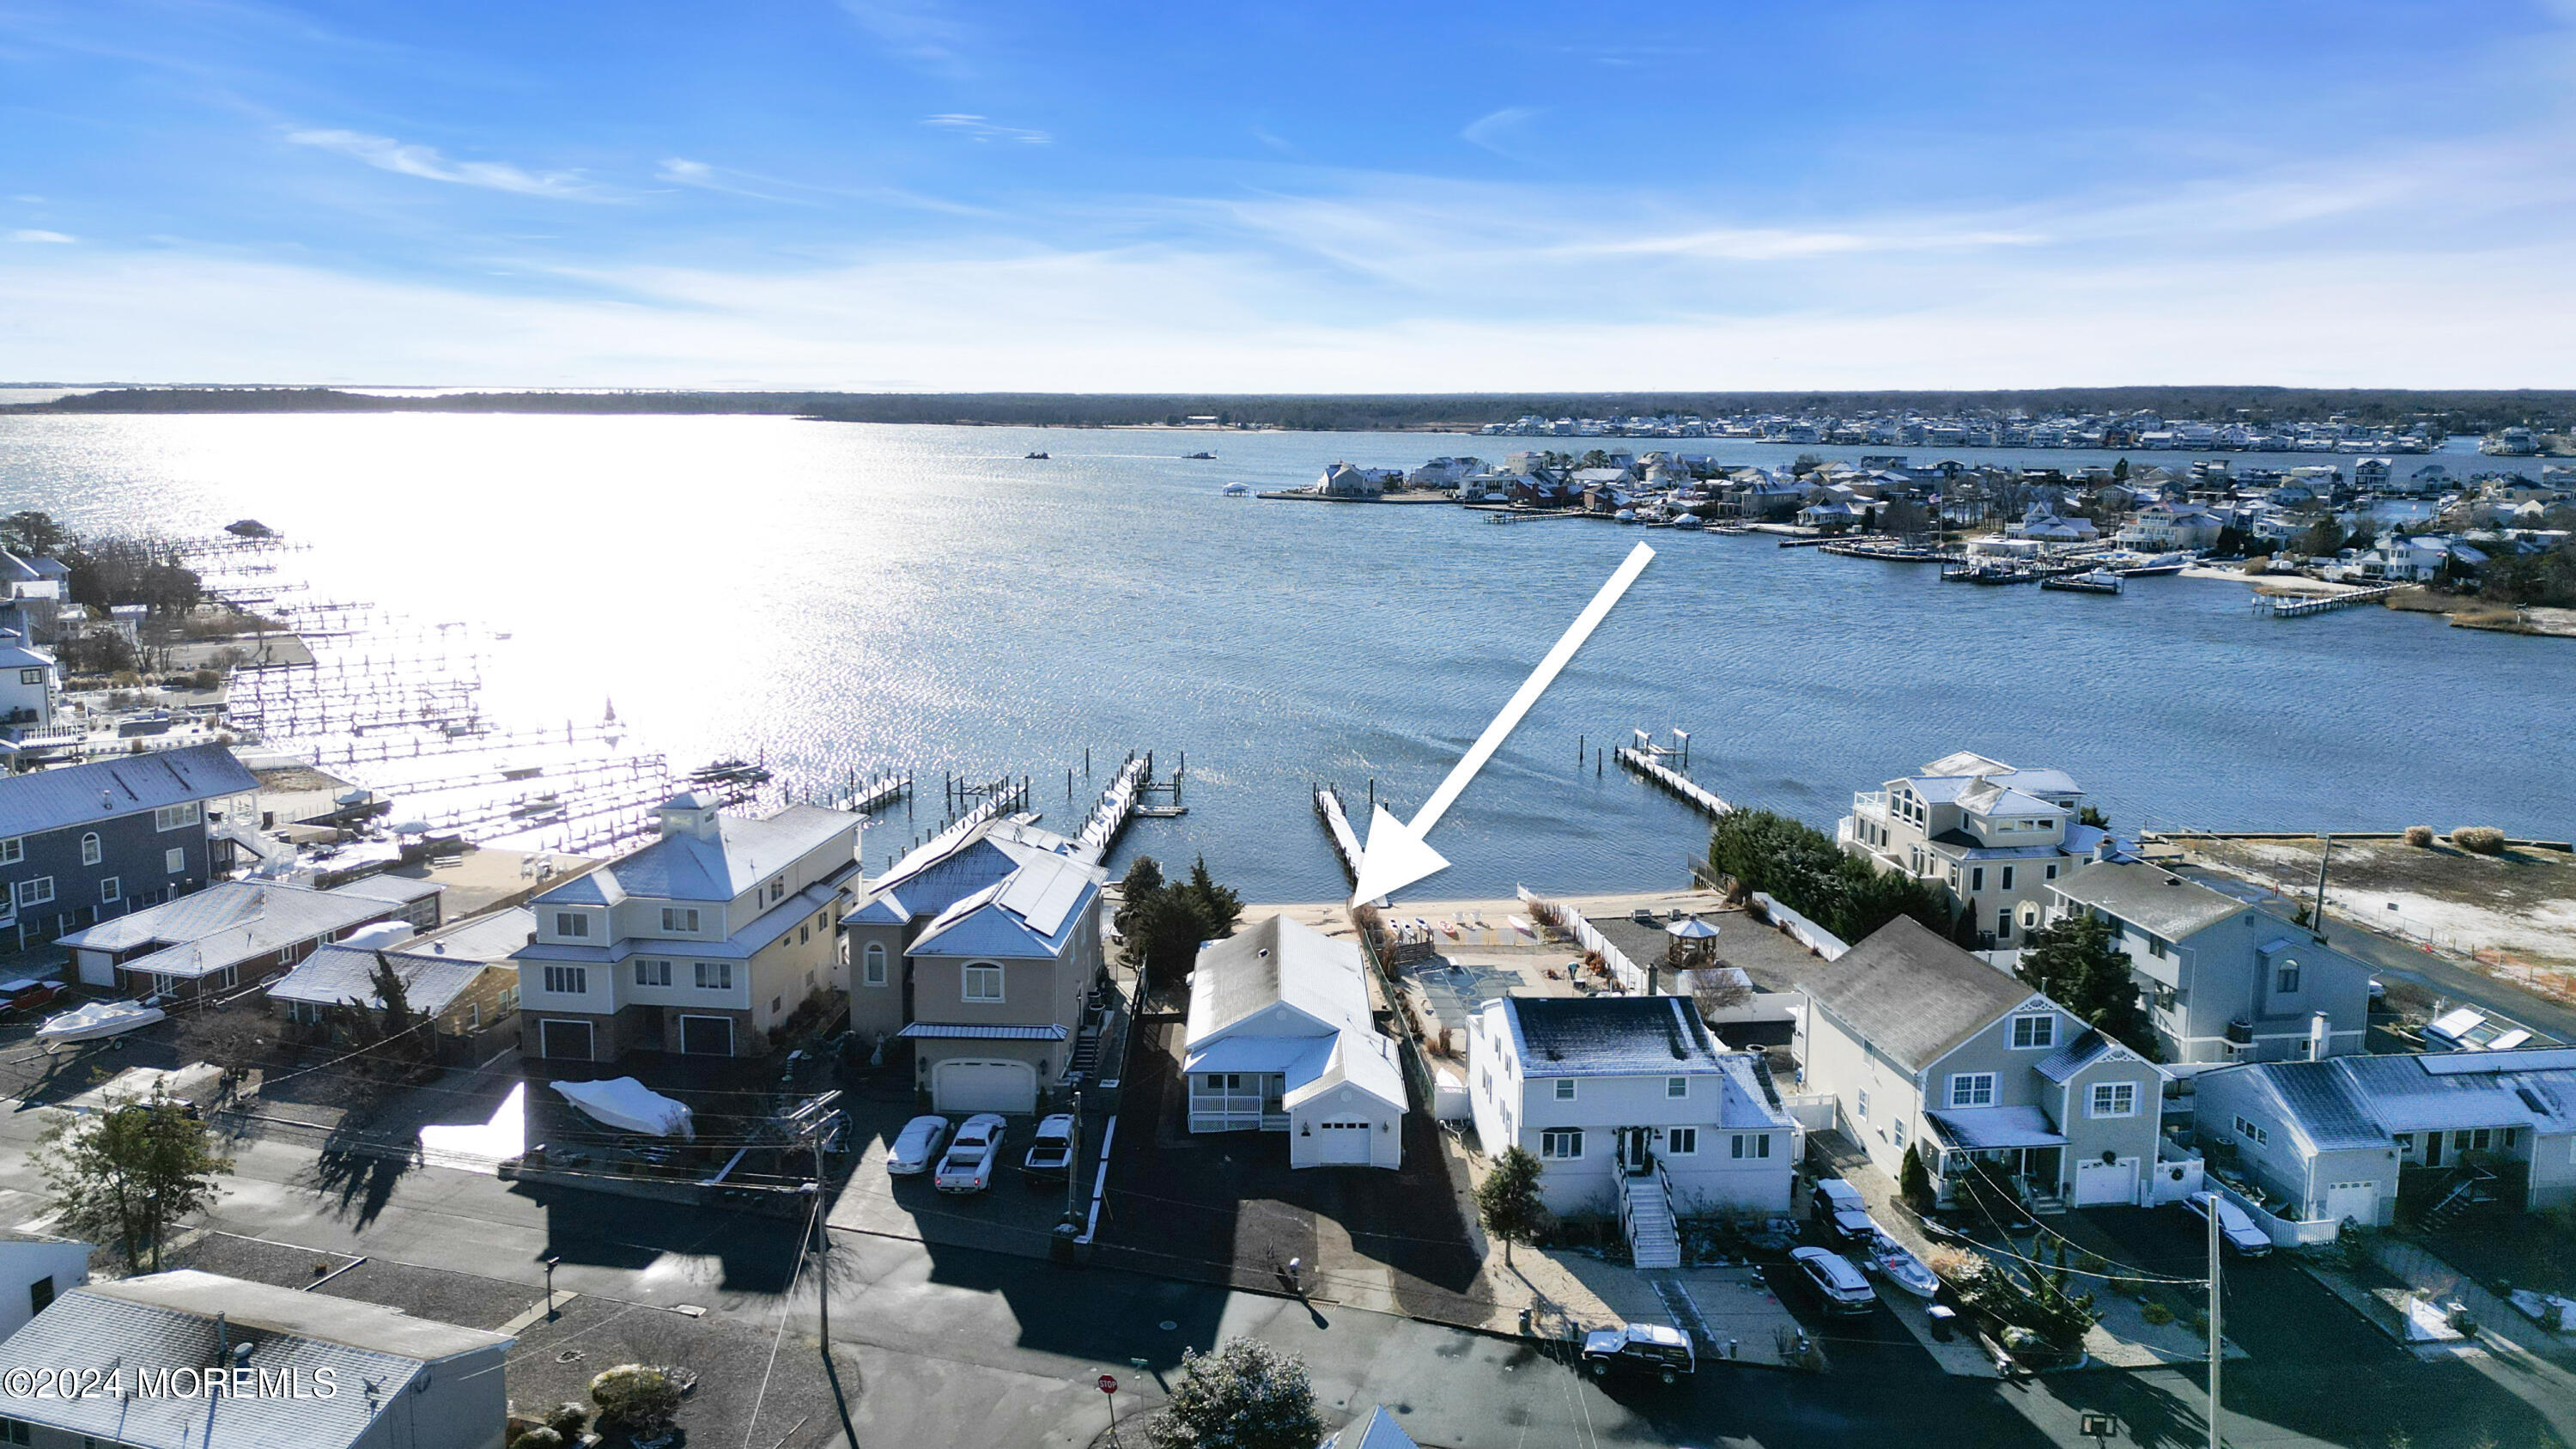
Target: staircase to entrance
<point>1646,1213</point>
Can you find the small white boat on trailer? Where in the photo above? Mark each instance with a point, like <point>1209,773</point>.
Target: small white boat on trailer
<point>98,1020</point>
<point>1892,1261</point>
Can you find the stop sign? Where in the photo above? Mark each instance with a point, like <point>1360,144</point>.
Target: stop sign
<point>1108,1384</point>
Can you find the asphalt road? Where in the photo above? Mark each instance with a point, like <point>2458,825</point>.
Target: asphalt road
<point>957,1346</point>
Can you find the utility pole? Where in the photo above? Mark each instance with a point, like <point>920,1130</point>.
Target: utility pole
<point>1073,1163</point>
<point>2217,1353</point>
<point>822,1247</point>
<point>2317,916</point>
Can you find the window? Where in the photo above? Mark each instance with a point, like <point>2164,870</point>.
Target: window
<point>31,676</point>
<point>35,892</point>
<point>777,888</point>
<point>1676,1086</point>
<point>803,934</point>
<point>983,983</point>
<point>2285,982</point>
<point>1681,1141</point>
<point>13,850</point>
<point>652,973</point>
<point>14,1431</point>
<point>2115,1099</point>
<point>1863,1104</point>
<point>2003,924</point>
<point>1751,1144</point>
<point>1977,879</point>
<point>172,817</point>
<point>473,1016</point>
<point>2251,1133</point>
<point>1972,1089</point>
<point>1896,1130</point>
<point>571,923</point>
<point>175,860</point>
<point>509,1000</point>
<point>2048,872</point>
<point>714,975</point>
<point>110,890</point>
<point>2507,1143</point>
<point>568,980</point>
<point>2156,947</point>
<point>679,918</point>
<point>2478,1140</point>
<point>89,848</point>
<point>1561,1142</point>
<point>876,963</point>
<point>2034,1031</point>
<point>2008,878</point>
<point>1565,1089</point>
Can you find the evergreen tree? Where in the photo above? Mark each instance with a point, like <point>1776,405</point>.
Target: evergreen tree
<point>128,1174</point>
<point>1507,1201</point>
<point>2077,963</point>
<point>1914,1180</point>
<point>1245,1395</point>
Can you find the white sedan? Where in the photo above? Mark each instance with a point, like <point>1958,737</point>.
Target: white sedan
<point>917,1146</point>
<point>968,1167</point>
<point>2234,1224</point>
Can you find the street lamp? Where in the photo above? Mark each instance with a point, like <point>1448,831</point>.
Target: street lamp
<point>550,1288</point>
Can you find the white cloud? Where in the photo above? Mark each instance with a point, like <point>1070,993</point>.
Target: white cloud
<point>920,31</point>
<point>978,128</point>
<point>32,234</point>
<point>1493,129</point>
<point>425,162</point>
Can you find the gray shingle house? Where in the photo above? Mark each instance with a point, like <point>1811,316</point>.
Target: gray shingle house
<point>2224,980</point>
<point>83,843</point>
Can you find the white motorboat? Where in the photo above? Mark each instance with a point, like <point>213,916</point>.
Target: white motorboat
<point>98,1020</point>
<point>1892,1261</point>
<point>1238,490</point>
<point>629,1106</point>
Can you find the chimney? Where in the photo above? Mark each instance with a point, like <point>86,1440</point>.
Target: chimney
<point>2320,1037</point>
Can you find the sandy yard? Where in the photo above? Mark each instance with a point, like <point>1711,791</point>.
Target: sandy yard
<point>2522,904</point>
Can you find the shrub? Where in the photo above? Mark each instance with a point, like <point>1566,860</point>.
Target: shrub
<point>567,1419</point>
<point>1914,1180</point>
<point>2479,839</point>
<point>1245,1395</point>
<point>2156,1313</point>
<point>636,1399</point>
<point>540,1437</point>
<point>2419,835</point>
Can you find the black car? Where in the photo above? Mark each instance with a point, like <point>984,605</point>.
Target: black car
<point>1648,1348</point>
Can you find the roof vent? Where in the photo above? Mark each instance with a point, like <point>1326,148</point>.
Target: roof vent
<point>106,800</point>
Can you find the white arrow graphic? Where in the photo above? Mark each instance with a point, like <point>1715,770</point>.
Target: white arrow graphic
<point>1397,855</point>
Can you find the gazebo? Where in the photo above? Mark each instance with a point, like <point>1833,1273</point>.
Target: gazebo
<point>1693,942</point>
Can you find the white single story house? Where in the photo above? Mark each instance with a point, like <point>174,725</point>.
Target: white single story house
<point>1280,1039</point>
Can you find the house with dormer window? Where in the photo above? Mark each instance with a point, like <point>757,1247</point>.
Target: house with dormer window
<point>1923,1046</point>
<point>1991,837</point>
<point>698,943</point>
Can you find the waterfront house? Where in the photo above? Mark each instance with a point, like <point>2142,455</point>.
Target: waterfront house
<point>2166,527</point>
<point>1280,1039</point>
<point>1631,1107</point>
<point>1342,480</point>
<point>981,953</point>
<point>333,1372</point>
<point>463,979</point>
<point>28,679</point>
<point>2370,475</point>
<point>1924,1046</point>
<point>1444,472</point>
<point>701,942</point>
<point>2338,1139</point>
<point>238,933</point>
<point>2225,980</point>
<point>83,843</point>
<point>1991,837</point>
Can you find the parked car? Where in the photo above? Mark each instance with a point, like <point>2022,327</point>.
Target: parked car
<point>917,1146</point>
<point>18,998</point>
<point>2243,1236</point>
<point>1050,1157</point>
<point>1836,1283</point>
<point>968,1165</point>
<point>1649,1348</point>
<point>1837,1207</point>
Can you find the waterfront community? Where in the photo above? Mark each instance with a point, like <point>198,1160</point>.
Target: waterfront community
<point>1942,1084</point>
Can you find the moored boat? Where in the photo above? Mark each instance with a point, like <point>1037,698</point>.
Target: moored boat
<point>2099,581</point>
<point>98,1020</point>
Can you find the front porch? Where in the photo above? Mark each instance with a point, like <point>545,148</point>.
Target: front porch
<point>2014,1153</point>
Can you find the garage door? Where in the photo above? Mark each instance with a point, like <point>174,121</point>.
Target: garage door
<point>2357,1201</point>
<point>564,1041</point>
<point>2101,1184</point>
<point>970,1086</point>
<point>706,1036</point>
<point>1341,1142</point>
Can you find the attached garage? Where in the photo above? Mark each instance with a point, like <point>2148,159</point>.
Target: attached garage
<point>565,1041</point>
<point>706,1036</point>
<point>2106,1184</point>
<point>2353,1202</point>
<point>974,1085</point>
<point>1340,1144</point>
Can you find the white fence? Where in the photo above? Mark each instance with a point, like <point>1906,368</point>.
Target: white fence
<point>1622,970</point>
<point>1806,932</point>
<point>2284,1232</point>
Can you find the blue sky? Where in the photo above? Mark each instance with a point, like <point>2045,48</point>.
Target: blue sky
<point>1320,197</point>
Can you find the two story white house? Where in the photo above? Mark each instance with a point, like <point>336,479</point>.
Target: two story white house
<point>2224,980</point>
<point>698,943</point>
<point>1630,1106</point>
<point>1993,838</point>
<point>1924,1046</point>
<point>1281,1039</point>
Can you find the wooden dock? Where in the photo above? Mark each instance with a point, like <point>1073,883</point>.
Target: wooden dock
<point>2285,606</point>
<point>1645,762</point>
<point>1337,822</point>
<point>1116,806</point>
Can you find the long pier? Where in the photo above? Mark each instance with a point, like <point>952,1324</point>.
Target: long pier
<point>1337,823</point>
<point>2282,606</point>
<point>1116,807</point>
<point>1645,763</point>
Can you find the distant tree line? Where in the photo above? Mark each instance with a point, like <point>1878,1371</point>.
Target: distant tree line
<point>2452,411</point>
